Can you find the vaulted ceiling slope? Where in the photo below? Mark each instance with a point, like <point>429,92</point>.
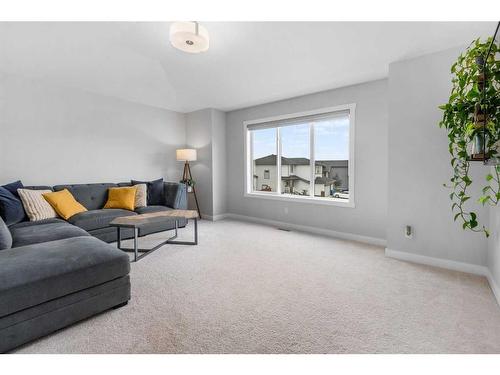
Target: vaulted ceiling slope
<point>248,63</point>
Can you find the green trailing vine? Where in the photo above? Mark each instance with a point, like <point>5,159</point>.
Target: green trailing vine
<point>471,118</point>
<point>188,182</point>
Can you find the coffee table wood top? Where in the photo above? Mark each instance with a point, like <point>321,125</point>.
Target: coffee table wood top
<point>136,221</point>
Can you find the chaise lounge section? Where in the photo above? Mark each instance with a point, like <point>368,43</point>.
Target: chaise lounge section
<point>50,285</point>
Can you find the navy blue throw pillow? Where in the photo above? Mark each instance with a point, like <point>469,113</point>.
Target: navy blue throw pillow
<point>11,208</point>
<point>13,186</point>
<point>155,195</point>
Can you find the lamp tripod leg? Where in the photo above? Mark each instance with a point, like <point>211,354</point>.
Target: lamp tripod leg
<point>188,172</point>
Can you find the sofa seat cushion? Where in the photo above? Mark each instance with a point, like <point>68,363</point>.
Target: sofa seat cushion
<point>45,231</point>
<point>39,222</point>
<point>149,209</point>
<point>31,275</point>
<point>96,219</point>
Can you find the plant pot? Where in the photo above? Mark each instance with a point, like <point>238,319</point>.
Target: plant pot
<point>478,145</point>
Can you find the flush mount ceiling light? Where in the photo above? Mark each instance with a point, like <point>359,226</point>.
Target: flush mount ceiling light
<point>189,37</point>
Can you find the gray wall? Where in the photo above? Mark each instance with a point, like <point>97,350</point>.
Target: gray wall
<point>206,131</point>
<point>419,164</point>
<point>368,218</point>
<point>219,155</point>
<point>199,136</point>
<point>51,135</point>
<point>493,259</point>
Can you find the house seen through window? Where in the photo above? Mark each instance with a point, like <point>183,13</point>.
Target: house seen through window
<point>302,156</point>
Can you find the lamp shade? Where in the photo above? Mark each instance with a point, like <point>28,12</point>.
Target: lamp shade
<point>186,154</point>
<point>189,37</point>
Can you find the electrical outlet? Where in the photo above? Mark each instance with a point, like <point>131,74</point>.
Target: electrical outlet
<point>408,231</point>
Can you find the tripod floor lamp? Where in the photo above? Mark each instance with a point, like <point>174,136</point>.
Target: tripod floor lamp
<point>186,155</point>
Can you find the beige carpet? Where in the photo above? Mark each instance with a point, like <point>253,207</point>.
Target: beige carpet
<point>249,288</point>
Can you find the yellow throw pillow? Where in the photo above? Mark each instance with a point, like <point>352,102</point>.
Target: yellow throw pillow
<point>64,203</point>
<point>121,197</point>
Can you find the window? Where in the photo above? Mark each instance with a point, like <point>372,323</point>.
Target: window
<point>306,156</point>
<point>264,150</point>
<point>331,153</point>
<point>295,151</point>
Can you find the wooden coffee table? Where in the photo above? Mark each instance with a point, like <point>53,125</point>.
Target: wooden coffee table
<point>136,222</point>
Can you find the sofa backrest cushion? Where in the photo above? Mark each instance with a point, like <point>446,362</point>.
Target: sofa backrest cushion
<point>91,196</point>
<point>5,236</point>
<point>38,187</point>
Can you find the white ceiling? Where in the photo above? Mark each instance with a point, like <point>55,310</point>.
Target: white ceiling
<point>248,63</point>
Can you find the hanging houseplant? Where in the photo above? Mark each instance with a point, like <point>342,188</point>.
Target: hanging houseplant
<point>471,118</point>
<point>189,183</point>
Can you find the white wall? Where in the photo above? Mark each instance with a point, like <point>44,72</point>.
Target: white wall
<point>419,164</point>
<point>368,218</point>
<point>52,135</point>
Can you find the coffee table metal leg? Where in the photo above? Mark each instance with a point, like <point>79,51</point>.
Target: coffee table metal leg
<point>196,231</point>
<point>145,252</point>
<point>195,242</point>
<point>136,248</point>
<point>118,237</point>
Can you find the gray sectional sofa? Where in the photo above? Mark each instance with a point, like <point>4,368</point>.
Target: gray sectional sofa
<point>59,272</point>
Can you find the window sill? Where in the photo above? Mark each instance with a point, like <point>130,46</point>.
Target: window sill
<point>300,199</point>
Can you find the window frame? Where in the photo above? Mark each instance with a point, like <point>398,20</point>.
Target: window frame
<point>248,183</point>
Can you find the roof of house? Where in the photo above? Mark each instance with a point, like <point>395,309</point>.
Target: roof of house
<point>271,160</point>
<point>333,163</point>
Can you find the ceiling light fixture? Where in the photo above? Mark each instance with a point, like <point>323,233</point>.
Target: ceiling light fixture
<point>189,37</point>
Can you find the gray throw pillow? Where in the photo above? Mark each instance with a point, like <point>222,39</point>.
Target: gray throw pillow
<point>5,236</point>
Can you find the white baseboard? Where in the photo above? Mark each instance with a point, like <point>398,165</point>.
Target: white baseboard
<point>308,229</point>
<point>494,286</point>
<point>214,217</point>
<point>437,262</point>
<point>447,264</point>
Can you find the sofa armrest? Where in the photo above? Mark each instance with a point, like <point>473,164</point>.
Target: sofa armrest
<point>175,195</point>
